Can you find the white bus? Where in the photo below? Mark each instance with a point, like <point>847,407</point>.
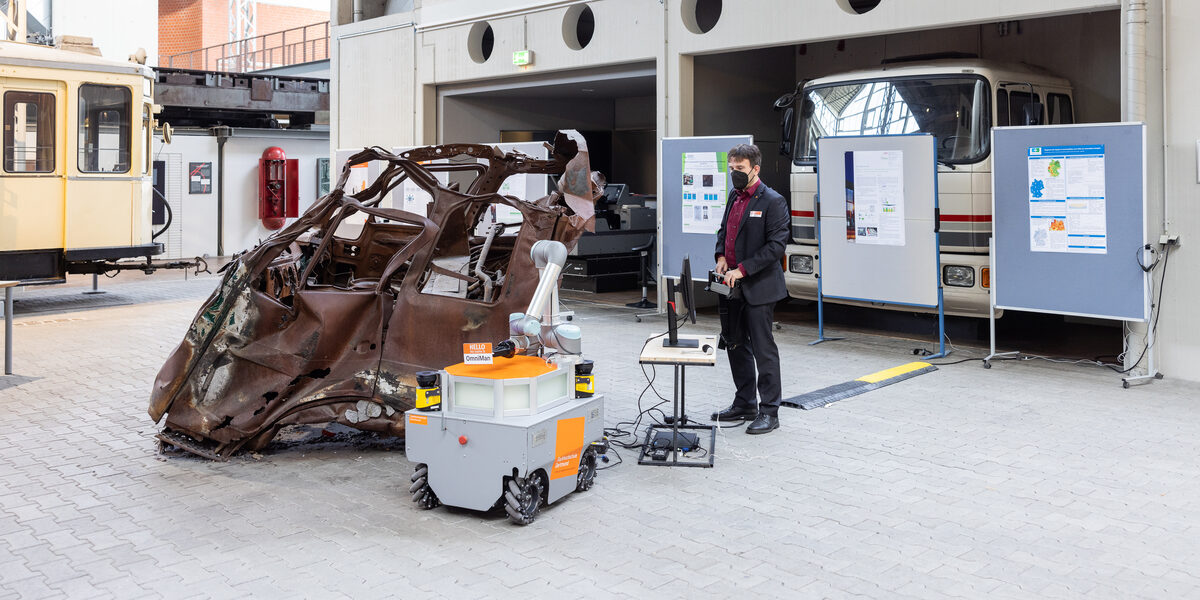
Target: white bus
<point>956,100</point>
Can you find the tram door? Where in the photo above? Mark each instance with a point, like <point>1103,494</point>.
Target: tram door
<point>106,184</point>
<point>31,206</point>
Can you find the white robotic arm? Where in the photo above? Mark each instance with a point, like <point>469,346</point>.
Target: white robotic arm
<point>527,329</point>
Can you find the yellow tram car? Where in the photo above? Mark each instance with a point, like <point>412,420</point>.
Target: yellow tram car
<point>75,183</point>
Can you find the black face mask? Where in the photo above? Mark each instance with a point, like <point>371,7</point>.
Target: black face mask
<point>740,179</point>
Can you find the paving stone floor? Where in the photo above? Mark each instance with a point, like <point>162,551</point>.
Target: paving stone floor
<point>1029,480</point>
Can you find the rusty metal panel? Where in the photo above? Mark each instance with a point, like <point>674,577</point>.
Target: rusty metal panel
<point>316,326</point>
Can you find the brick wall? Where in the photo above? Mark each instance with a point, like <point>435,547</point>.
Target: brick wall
<point>272,18</point>
<point>178,26</point>
<point>215,29</point>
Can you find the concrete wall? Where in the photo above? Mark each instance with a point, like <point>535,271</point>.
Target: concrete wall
<point>193,231</point>
<point>1179,329</point>
<point>406,56</point>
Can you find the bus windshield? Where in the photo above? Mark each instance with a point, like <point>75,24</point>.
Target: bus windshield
<point>955,109</point>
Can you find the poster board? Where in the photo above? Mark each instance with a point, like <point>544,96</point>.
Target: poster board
<point>1069,219</point>
<point>409,196</point>
<point>877,231</point>
<point>692,168</point>
<point>361,176</point>
<point>526,186</point>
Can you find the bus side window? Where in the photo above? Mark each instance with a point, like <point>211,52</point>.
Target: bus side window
<point>1002,107</point>
<point>1059,106</point>
<point>105,119</point>
<point>28,132</point>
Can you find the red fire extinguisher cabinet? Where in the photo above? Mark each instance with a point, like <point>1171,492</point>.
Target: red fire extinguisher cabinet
<point>278,188</point>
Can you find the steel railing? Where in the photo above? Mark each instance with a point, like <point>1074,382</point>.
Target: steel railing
<point>271,50</point>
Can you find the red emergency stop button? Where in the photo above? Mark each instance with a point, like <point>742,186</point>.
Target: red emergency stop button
<point>462,440</point>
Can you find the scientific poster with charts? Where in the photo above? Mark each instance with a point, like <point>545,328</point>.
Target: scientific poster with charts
<point>704,191</point>
<point>875,197</point>
<point>1067,208</point>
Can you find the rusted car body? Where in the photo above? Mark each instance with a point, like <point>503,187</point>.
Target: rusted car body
<point>315,325</point>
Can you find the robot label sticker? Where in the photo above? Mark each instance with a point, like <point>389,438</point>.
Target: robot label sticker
<point>568,444</point>
<point>477,354</point>
<point>418,420</point>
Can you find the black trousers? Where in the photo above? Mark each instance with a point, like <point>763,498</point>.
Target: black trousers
<point>750,342</point>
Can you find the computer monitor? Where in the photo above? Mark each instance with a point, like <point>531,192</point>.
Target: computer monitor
<point>614,193</point>
<point>686,306</point>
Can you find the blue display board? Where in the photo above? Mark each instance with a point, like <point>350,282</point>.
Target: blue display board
<point>1069,220</point>
<point>675,241</point>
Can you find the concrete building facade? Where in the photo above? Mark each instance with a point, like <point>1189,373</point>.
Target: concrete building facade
<point>436,71</point>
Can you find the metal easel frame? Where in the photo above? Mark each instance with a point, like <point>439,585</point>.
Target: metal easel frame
<point>937,245</point>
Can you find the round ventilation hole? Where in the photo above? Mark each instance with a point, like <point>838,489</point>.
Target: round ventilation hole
<point>579,24</point>
<point>480,42</point>
<point>858,7</point>
<point>700,16</point>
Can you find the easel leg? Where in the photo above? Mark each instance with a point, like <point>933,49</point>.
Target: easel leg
<point>821,320</point>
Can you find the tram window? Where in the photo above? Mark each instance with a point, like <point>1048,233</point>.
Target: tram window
<point>28,132</point>
<point>105,113</point>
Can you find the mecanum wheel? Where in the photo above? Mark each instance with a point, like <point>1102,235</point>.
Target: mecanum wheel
<point>422,494</point>
<point>523,498</point>
<point>587,470</point>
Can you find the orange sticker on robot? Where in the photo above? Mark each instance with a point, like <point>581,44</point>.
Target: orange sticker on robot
<point>418,420</point>
<point>568,445</point>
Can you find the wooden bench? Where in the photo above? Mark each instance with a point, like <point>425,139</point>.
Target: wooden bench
<point>8,323</point>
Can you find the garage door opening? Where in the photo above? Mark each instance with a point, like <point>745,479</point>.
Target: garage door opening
<point>615,111</point>
<point>1039,70</point>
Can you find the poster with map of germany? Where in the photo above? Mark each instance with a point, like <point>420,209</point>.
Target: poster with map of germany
<point>1067,209</point>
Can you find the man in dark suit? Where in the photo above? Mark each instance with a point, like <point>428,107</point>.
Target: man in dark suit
<point>750,246</point>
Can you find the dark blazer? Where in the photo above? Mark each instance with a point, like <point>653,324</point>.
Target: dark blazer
<point>760,244</point>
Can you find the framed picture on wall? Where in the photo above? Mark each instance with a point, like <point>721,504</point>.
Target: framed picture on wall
<point>199,178</point>
<point>322,176</point>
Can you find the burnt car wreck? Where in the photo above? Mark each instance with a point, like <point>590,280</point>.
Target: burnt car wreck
<point>330,319</point>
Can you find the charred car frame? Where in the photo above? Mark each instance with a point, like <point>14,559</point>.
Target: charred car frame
<point>330,319</point>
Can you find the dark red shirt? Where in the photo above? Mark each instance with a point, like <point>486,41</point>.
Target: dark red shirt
<point>740,202</point>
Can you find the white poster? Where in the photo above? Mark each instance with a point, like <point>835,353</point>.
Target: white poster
<point>414,199</point>
<point>875,197</point>
<point>357,181</point>
<point>516,185</point>
<point>1067,211</point>
<point>704,191</point>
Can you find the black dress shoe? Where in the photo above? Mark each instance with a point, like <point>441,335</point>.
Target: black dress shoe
<point>763,424</point>
<point>736,413</point>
